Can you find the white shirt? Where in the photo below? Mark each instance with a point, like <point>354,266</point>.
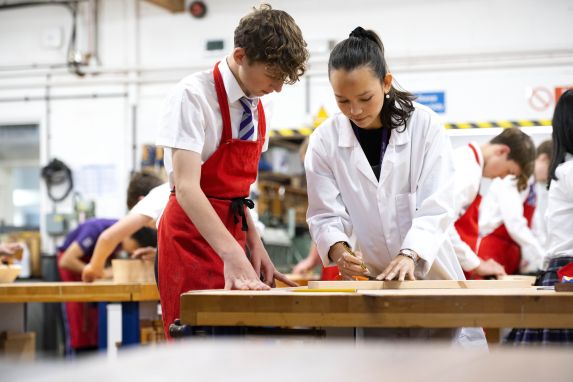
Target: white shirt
<point>411,207</point>
<point>559,215</point>
<point>153,203</point>
<point>539,224</point>
<point>467,182</point>
<point>503,204</point>
<point>191,117</point>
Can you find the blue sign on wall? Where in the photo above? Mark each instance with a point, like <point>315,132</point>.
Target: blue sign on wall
<point>434,100</point>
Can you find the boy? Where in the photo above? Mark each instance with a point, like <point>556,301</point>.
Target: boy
<point>510,153</point>
<point>213,131</point>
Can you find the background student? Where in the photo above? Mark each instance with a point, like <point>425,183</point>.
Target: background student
<point>73,255</point>
<point>144,213</point>
<point>509,153</point>
<point>505,227</point>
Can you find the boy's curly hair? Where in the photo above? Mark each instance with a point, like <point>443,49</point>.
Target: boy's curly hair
<point>272,37</point>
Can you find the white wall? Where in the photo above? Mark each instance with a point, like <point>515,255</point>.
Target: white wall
<point>486,55</point>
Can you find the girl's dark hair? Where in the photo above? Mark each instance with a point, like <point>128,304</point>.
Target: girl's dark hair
<point>364,48</point>
<point>562,132</point>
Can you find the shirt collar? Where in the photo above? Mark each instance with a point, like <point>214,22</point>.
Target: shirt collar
<point>234,91</point>
<point>568,157</point>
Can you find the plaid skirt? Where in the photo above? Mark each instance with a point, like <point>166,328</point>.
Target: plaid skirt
<point>544,336</point>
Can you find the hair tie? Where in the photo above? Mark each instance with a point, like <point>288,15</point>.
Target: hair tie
<point>359,32</point>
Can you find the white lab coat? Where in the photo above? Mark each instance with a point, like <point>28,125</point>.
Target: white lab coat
<point>503,204</point>
<point>559,214</point>
<point>411,207</point>
<point>539,224</point>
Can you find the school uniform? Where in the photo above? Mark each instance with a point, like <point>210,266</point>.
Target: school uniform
<point>82,318</point>
<point>204,114</point>
<point>559,219</point>
<point>505,227</point>
<point>468,164</point>
<point>409,206</point>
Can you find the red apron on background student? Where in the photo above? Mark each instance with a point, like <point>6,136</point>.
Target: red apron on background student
<point>226,177</point>
<point>505,224</point>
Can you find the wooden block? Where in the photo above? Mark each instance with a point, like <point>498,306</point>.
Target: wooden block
<point>301,280</point>
<point>421,284</point>
<point>564,287</point>
<point>19,346</point>
<point>170,5</point>
<point>132,271</point>
<point>8,273</point>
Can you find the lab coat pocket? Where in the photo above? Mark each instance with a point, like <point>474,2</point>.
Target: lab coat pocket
<point>405,209</point>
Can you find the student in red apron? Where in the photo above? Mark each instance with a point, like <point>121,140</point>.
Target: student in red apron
<point>73,255</point>
<point>510,152</point>
<point>213,131</point>
<point>505,227</point>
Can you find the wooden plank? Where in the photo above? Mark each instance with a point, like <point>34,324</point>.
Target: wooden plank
<point>383,308</point>
<point>421,284</point>
<point>529,279</point>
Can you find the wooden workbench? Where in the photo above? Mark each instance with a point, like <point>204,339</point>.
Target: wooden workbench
<point>14,297</point>
<point>77,292</point>
<point>429,308</point>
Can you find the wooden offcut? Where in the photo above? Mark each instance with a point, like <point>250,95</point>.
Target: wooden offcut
<point>421,284</point>
<point>170,5</point>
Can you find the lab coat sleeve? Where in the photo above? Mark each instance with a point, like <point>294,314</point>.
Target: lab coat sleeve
<point>434,203</point>
<point>327,217</point>
<point>467,258</point>
<point>511,207</point>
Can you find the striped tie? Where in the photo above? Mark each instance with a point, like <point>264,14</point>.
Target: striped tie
<point>246,128</point>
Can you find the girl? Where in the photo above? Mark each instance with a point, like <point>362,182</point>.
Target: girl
<point>382,169</point>
<point>559,218</point>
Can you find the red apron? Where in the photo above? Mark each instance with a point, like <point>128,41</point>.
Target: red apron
<point>82,317</point>
<point>186,261</point>
<point>499,246</point>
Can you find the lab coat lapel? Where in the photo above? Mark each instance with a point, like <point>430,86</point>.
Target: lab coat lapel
<point>392,153</point>
<point>357,156</point>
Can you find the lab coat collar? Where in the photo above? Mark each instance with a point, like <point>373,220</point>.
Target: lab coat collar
<point>234,91</point>
<point>568,157</point>
<point>346,137</point>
